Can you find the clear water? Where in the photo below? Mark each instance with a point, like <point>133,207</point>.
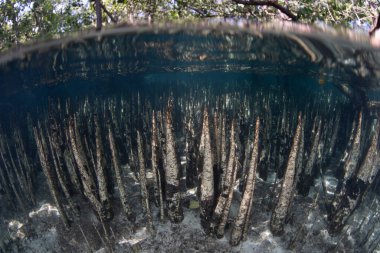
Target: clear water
<point>71,159</point>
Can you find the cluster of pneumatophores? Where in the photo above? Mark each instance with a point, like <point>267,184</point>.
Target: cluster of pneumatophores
<point>215,143</point>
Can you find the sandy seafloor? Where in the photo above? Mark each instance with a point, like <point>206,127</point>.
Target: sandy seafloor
<point>41,230</point>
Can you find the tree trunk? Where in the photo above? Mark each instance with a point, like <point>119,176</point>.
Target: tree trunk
<point>98,10</point>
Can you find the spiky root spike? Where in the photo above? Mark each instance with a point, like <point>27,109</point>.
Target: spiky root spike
<point>173,196</point>
<point>207,176</point>
<point>143,184</point>
<point>239,229</point>
<point>278,217</point>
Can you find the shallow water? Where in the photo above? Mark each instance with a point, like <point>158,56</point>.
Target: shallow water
<point>265,137</point>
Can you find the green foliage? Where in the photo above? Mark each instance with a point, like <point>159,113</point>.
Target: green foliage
<point>26,20</point>
<point>339,13</point>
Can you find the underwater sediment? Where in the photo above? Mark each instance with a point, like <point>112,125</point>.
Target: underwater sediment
<point>299,152</point>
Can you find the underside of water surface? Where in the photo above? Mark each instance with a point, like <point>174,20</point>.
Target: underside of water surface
<point>191,139</point>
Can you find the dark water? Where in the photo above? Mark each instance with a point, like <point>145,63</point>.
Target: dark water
<point>142,124</point>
